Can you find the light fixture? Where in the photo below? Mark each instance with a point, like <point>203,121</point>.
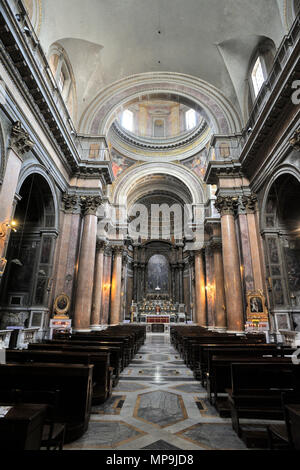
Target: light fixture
<point>4,226</point>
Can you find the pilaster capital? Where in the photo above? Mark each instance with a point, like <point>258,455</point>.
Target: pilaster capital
<point>226,205</point>
<point>20,140</point>
<point>90,204</point>
<point>248,204</point>
<point>70,203</point>
<point>295,140</point>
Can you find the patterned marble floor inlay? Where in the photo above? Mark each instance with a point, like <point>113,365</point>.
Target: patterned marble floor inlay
<point>112,406</point>
<point>106,435</point>
<point>214,436</point>
<point>160,408</point>
<point>160,445</point>
<point>157,405</point>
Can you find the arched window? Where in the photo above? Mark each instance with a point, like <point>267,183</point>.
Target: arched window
<point>127,120</point>
<point>62,72</point>
<point>260,66</point>
<point>190,119</point>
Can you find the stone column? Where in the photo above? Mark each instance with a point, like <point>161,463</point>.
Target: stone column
<point>220,309</point>
<point>232,275</point>
<point>106,286</point>
<point>250,203</point>
<point>64,272</point>
<point>180,273</point>
<point>135,289</point>
<point>210,287</point>
<point>98,286</point>
<point>200,294</point>
<point>86,265</point>
<point>20,143</point>
<point>116,287</point>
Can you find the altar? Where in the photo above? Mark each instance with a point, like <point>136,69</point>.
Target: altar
<point>159,310</point>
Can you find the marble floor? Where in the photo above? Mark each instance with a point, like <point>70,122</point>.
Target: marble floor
<point>157,405</point>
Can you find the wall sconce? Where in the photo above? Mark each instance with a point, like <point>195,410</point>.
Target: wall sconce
<point>5,226</point>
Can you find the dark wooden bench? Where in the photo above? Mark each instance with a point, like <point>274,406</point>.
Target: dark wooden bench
<point>256,389</point>
<point>114,352</point>
<point>123,356</point>
<point>102,372</point>
<point>218,374</point>
<point>73,381</point>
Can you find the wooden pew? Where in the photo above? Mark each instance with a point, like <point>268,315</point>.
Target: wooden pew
<point>219,375</point>
<point>256,389</point>
<point>74,382</point>
<point>114,352</point>
<point>102,372</point>
<point>123,356</point>
<point>232,350</point>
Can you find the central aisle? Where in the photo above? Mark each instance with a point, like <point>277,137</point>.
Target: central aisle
<point>157,405</point>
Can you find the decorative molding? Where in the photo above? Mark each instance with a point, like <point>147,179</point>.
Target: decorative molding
<point>20,140</point>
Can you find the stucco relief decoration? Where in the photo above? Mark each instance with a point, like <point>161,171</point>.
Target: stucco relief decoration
<point>20,139</point>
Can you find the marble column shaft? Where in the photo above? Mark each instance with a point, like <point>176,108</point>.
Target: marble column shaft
<point>106,287</point>
<point>220,309</point>
<point>98,286</point>
<point>85,279</point>
<point>256,255</point>
<point>232,275</point>
<point>7,193</point>
<point>116,288</point>
<point>200,294</point>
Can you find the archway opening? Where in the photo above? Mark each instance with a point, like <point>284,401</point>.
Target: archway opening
<point>26,284</point>
<point>282,245</point>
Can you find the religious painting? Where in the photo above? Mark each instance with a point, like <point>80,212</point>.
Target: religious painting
<point>61,305</point>
<point>158,274</point>
<point>198,164</point>
<point>119,163</point>
<point>256,307</point>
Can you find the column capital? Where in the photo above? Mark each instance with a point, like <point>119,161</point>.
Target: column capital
<point>226,205</point>
<point>198,252</point>
<point>118,250</point>
<point>216,244</point>
<point>100,246</point>
<point>295,140</point>
<point>90,204</point>
<point>20,140</point>
<point>70,203</point>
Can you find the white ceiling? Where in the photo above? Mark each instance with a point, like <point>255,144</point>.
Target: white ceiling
<point>107,40</point>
